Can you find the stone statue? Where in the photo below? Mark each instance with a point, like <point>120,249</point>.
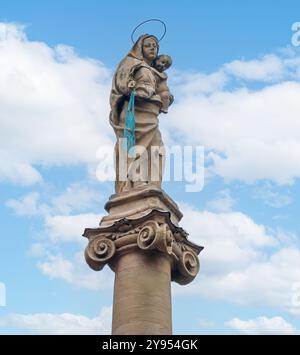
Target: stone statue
<point>142,70</point>
<point>162,63</point>
<point>140,237</point>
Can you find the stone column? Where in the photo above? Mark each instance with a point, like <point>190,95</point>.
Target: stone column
<point>142,294</point>
<point>142,243</point>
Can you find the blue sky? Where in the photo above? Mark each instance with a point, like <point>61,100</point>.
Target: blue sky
<point>236,82</point>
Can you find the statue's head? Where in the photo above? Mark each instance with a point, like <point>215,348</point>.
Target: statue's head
<point>150,49</point>
<point>162,62</point>
<point>145,48</point>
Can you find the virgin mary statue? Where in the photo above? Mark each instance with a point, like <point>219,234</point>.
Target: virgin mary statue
<point>135,72</point>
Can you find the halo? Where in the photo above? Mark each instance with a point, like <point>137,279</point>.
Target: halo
<point>142,23</point>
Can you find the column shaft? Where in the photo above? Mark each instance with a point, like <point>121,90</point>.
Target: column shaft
<point>142,294</point>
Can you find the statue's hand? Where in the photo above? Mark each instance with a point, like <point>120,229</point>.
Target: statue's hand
<point>131,84</point>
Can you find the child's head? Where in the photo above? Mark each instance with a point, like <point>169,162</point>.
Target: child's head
<point>162,62</point>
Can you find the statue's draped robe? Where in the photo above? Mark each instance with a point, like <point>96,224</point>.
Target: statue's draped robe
<point>147,108</point>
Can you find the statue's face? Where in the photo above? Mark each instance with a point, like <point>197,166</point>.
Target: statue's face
<point>162,63</point>
<point>150,49</point>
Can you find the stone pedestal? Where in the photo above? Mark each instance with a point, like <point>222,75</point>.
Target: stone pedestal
<point>141,241</point>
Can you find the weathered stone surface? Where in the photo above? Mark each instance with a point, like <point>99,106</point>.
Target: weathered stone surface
<point>146,251</point>
<point>140,238</point>
<point>142,294</point>
<point>151,229</point>
<point>136,73</point>
<point>139,202</point>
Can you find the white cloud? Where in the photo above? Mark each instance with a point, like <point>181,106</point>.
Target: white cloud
<point>192,83</point>
<point>37,250</point>
<point>224,203</point>
<point>243,262</point>
<point>28,205</point>
<point>263,326</point>
<point>261,283</point>
<point>249,133</point>
<point>231,240</point>
<point>53,106</point>
<point>17,170</point>
<point>75,272</point>
<point>75,197</point>
<point>268,68</point>
<point>60,230</point>
<point>54,110</point>
<point>271,197</point>
<point>60,324</point>
<point>70,228</point>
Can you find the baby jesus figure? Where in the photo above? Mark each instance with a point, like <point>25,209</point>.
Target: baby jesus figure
<point>162,63</point>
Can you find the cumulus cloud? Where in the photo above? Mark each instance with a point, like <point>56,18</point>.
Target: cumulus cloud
<point>54,263</point>
<point>232,240</point>
<point>75,197</point>
<point>53,106</point>
<point>60,230</point>
<point>243,262</point>
<point>261,283</point>
<point>54,110</point>
<point>263,326</point>
<point>28,205</point>
<point>268,68</point>
<point>223,203</point>
<point>188,84</point>
<point>60,324</point>
<point>271,197</point>
<point>75,272</point>
<point>17,171</point>
<point>249,133</point>
<point>63,228</point>
<point>37,250</point>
